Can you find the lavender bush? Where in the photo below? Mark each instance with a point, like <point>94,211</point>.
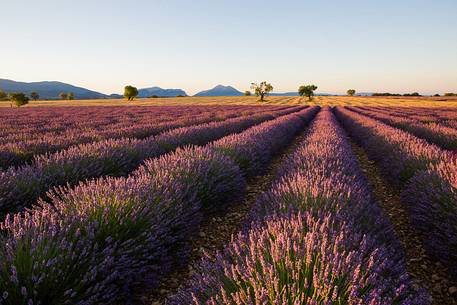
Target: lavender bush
<point>109,233</point>
<point>21,187</point>
<point>254,148</point>
<point>431,197</point>
<point>427,175</point>
<point>315,238</point>
<point>299,259</point>
<point>399,153</point>
<point>16,149</point>
<point>433,132</point>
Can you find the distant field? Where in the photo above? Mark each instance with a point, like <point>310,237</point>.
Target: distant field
<point>274,100</point>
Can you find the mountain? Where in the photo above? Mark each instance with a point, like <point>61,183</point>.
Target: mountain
<point>147,92</point>
<point>220,90</point>
<point>49,89</point>
<point>115,95</point>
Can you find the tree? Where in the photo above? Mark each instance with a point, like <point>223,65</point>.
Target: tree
<point>71,96</point>
<point>307,90</point>
<point>247,93</point>
<point>34,95</point>
<point>262,89</point>
<point>350,92</point>
<point>63,95</point>
<point>19,98</point>
<point>130,92</point>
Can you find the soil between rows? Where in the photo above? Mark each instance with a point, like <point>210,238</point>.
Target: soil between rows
<point>424,270</point>
<point>217,230</point>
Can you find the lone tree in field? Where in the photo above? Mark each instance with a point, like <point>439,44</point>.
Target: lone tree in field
<point>307,90</point>
<point>130,92</point>
<point>71,96</point>
<point>247,93</point>
<point>262,89</point>
<point>34,95</point>
<point>19,99</point>
<point>350,92</point>
<point>63,95</point>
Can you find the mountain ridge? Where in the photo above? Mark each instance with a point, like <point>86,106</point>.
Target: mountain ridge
<point>52,89</point>
<point>49,89</point>
<point>160,92</point>
<point>220,90</point>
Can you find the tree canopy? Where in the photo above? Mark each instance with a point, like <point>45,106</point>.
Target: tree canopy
<point>350,92</point>
<point>130,92</point>
<point>262,89</point>
<point>307,90</point>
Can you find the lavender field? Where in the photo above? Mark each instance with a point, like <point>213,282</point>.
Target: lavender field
<point>228,204</point>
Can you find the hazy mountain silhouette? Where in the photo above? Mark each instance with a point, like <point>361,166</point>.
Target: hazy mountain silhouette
<point>147,92</point>
<point>220,90</point>
<point>49,89</point>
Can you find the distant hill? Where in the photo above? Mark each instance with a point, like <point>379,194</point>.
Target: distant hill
<point>147,92</point>
<point>115,95</point>
<point>49,89</point>
<point>220,90</point>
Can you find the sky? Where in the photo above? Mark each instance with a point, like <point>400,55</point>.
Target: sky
<point>371,46</point>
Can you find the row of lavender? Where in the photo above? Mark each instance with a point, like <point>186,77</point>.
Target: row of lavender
<point>21,149</point>
<point>317,237</point>
<point>446,116</point>
<point>426,174</point>
<point>27,121</point>
<point>94,241</point>
<point>424,114</point>
<point>20,187</point>
<point>24,122</point>
<point>434,132</point>
<point>18,151</point>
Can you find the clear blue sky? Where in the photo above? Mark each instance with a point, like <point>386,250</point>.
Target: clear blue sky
<point>397,46</point>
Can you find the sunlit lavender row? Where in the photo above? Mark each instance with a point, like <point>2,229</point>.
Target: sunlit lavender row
<point>317,237</point>
<point>20,187</point>
<point>423,114</point>
<point>18,148</point>
<point>433,132</point>
<point>427,175</point>
<point>25,122</point>
<point>94,241</point>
